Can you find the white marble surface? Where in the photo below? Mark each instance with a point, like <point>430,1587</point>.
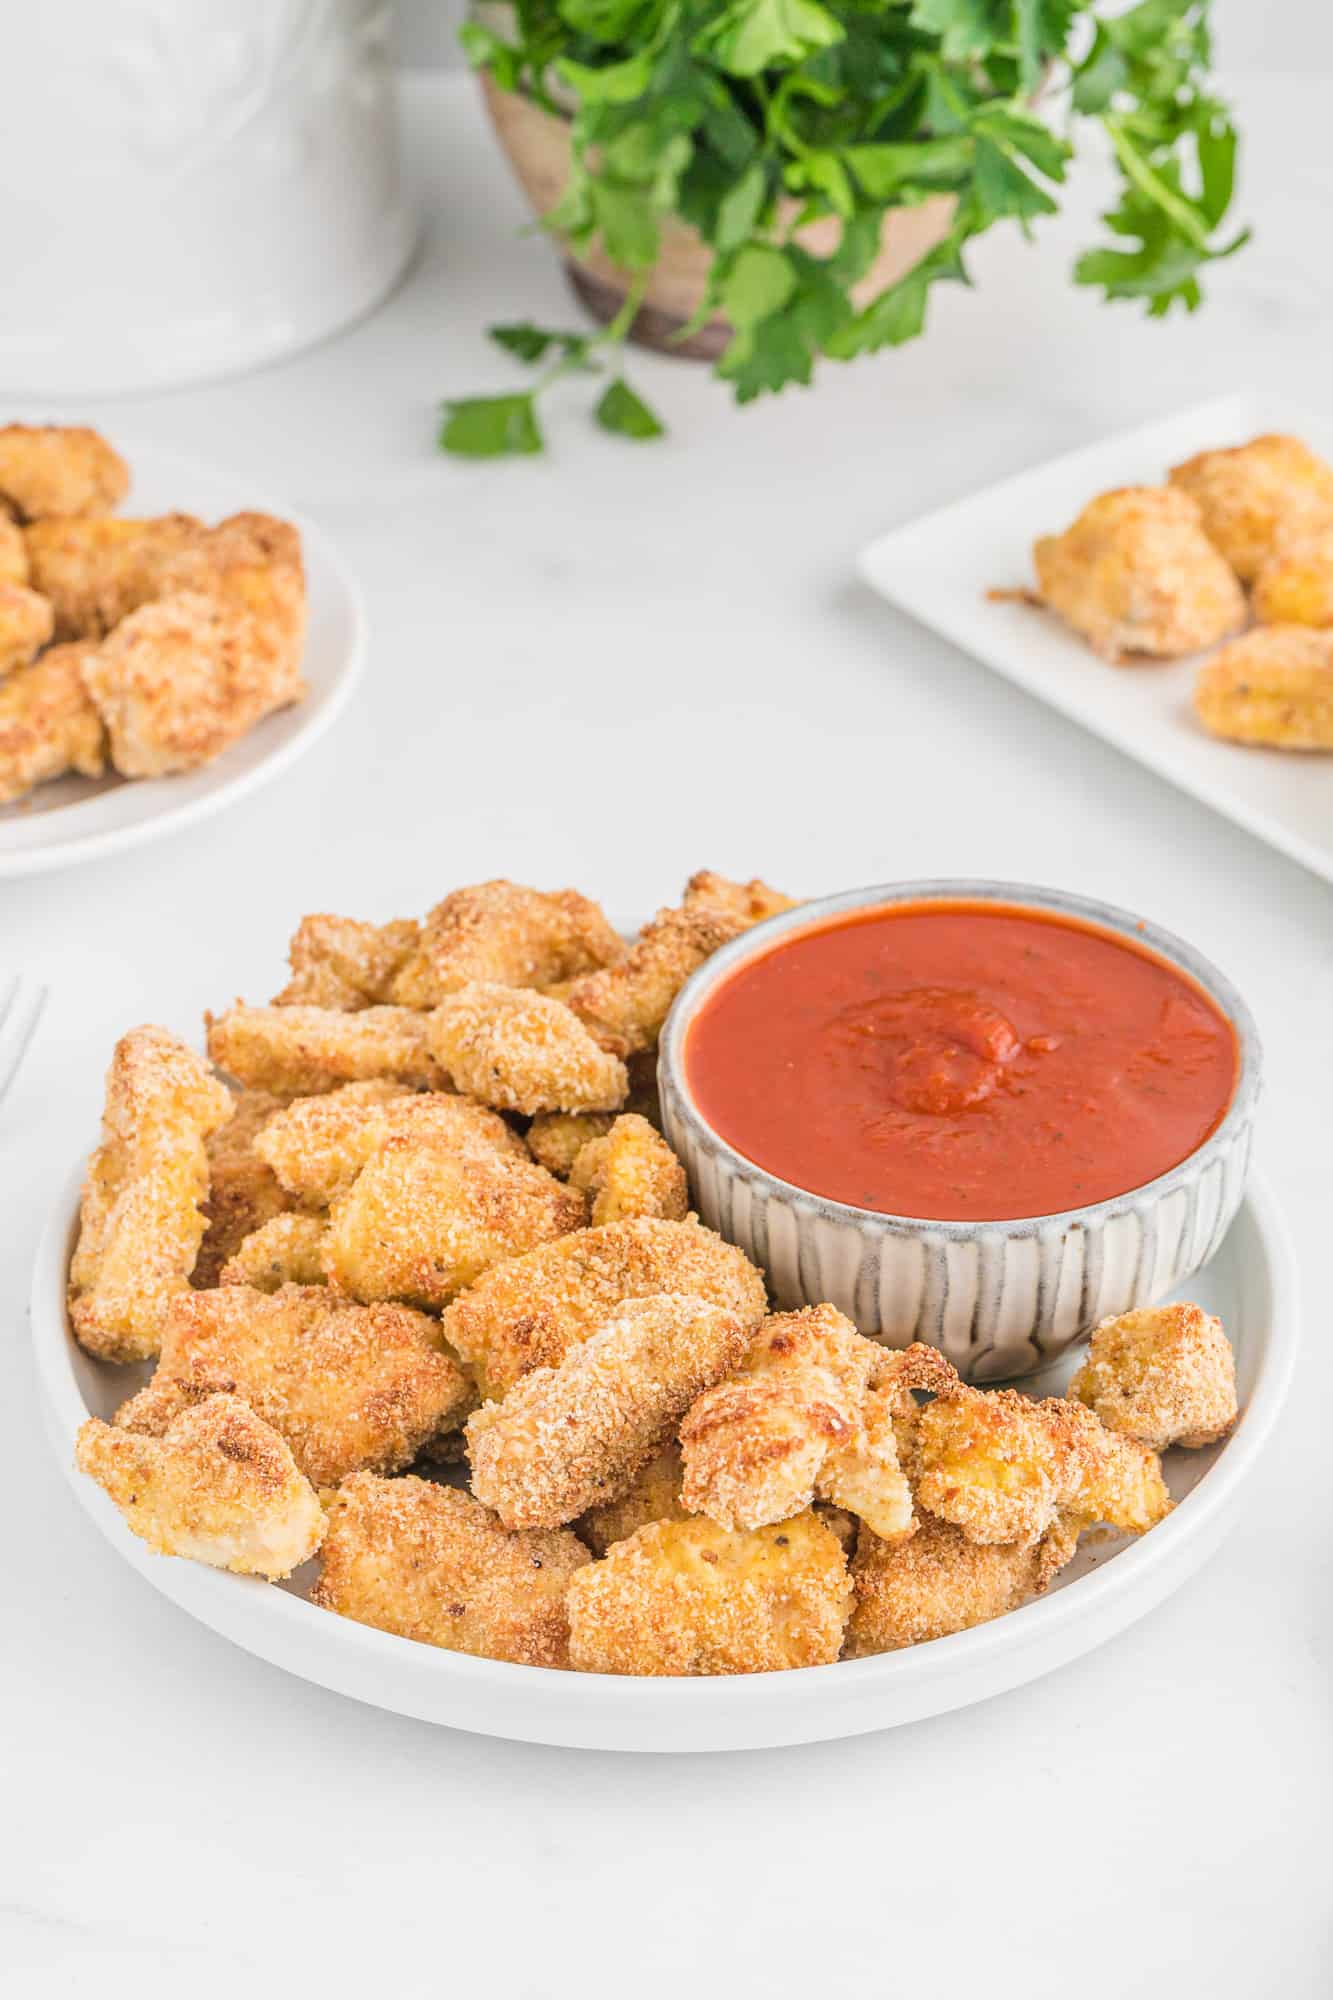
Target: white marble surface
<point>610,667</point>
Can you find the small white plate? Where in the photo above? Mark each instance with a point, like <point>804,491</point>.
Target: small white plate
<point>1250,1283</point>
<point>941,567</point>
<point>80,819</point>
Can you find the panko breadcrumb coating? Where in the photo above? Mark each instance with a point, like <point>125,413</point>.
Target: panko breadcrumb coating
<point>432,1564</point>
<point>937,1581</point>
<point>1273,687</point>
<point>863,1476</point>
<point>25,625</point>
<point>253,563</point>
<point>48,723</point>
<point>302,1051</point>
<point>501,933</point>
<point>219,1485</point>
<point>13,551</point>
<point>749,901</point>
<point>318,1145</point>
<point>243,1191</point>
<point>351,1388</point>
<point>286,1250</point>
<point>141,1223</point>
<point>556,1138</point>
<point>1251,495</point>
<point>624,1005</point>
<point>96,572</point>
<point>59,469</point>
<point>631,1171</point>
<point>518,1050</point>
<point>1163,1375</point>
<point>653,1495</point>
<point>339,962</point>
<point>1136,574</point>
<point>1295,585</point>
<point>529,1312</point>
<point>689,1597</point>
<point>422,1221</point>
<point>569,1437</point>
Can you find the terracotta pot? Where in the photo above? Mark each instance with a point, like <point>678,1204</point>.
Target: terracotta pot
<point>538,148</point>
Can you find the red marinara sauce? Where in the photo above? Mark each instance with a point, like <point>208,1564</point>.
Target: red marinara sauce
<point>961,1061</point>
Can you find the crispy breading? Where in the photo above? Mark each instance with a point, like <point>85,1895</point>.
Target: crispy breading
<point>518,1050</point>
<point>1250,495</point>
<point>625,1005</point>
<point>529,1312</point>
<point>1136,574</point>
<point>569,1437</point>
<point>26,625</point>
<point>1112,1479</point>
<point>141,1220</point>
<point>303,1051</point>
<point>352,1388</point>
<point>689,1597</point>
<point>219,1485</point>
<point>750,901</point>
<point>631,1171</point>
<point>48,723</point>
<point>421,1220</point>
<point>318,1145</point>
<point>863,1476</point>
<point>253,562</point>
<point>13,551</point>
<point>937,1581</point>
<point>653,1495</point>
<point>98,571</point>
<point>59,469</point>
<point>1163,1375</point>
<point>429,1563</point>
<point>1274,687</point>
<point>243,1191</point>
<point>183,678</point>
<point>339,962</point>
<point>556,1138</point>
<point>1295,585</point>
<point>501,933</point>
<point>285,1250</point>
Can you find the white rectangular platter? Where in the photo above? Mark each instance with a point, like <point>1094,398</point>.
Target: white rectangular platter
<point>940,568</point>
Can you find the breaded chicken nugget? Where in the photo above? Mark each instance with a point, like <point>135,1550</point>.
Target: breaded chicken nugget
<point>48,723</point>
<point>286,1250</point>
<point>13,551</point>
<point>556,1138</point>
<point>937,1581</point>
<point>219,1486</point>
<point>1136,574</point>
<point>1295,585</point>
<point>528,1313</point>
<point>653,1495</point>
<point>26,625</point>
<point>1111,1478</point>
<point>141,1223</point>
<point>1163,1375</point>
<point>421,1221</point>
<point>318,1145</point>
<point>568,1437</point>
<point>749,901</point>
<point>253,562</point>
<point>689,1597</point>
<point>518,1050</point>
<point>502,934</point>
<point>631,1171</point>
<point>1251,494</point>
<point>338,962</point>
<point>58,469</point>
<point>429,1563</point>
<point>243,1191</point>
<point>1274,687</point>
<point>625,1004</point>
<point>97,572</point>
<point>351,1388</point>
<point>183,678</point>
<point>303,1051</point>
<point>862,1475</point>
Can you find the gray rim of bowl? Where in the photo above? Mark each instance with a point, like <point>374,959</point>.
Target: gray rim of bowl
<point>813,915</point>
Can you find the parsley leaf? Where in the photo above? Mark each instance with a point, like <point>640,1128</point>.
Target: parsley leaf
<point>622,411</point>
<point>490,427</point>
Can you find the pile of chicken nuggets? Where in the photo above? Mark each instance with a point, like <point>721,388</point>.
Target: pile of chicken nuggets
<point>1237,537</point>
<point>142,646</point>
<point>416,1218</point>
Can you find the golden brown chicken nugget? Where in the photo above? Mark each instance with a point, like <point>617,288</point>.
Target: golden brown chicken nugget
<point>243,1191</point>
<point>518,1050</point>
<point>501,933</point>
<point>318,1145</point>
<point>351,1388</point>
<point>219,1486</point>
<point>13,551</point>
<point>26,625</point>
<point>652,1495</point>
<point>556,1138</point>
<point>529,1312</point>
<point>430,1563</point>
<point>1250,495</point>
<point>303,1051</point>
<point>96,572</point>
<point>624,1005</point>
<point>1136,574</point>
<point>58,469</point>
<point>630,1171</point>
<point>570,1437</point>
<point>689,1597</point>
<point>1163,1375</point>
<point>750,901</point>
<point>1272,687</point>
<point>1295,585</point>
<point>48,723</point>
<point>141,1220</point>
<point>285,1250</point>
<point>339,962</point>
<point>937,1581</point>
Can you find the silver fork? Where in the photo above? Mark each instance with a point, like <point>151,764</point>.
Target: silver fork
<point>21,1005</point>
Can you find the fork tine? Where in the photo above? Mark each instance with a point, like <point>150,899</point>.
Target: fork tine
<point>20,1012</point>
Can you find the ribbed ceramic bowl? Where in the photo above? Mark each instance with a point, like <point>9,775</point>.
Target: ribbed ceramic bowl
<point>1001,1299</point>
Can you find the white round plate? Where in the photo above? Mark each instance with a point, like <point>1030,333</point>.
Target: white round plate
<point>80,819</point>
<point>1250,1282</point>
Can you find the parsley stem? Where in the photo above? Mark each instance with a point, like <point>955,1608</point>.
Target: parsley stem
<point>1137,170</point>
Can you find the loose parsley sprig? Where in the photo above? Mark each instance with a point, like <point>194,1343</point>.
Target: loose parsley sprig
<point>748,119</point>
